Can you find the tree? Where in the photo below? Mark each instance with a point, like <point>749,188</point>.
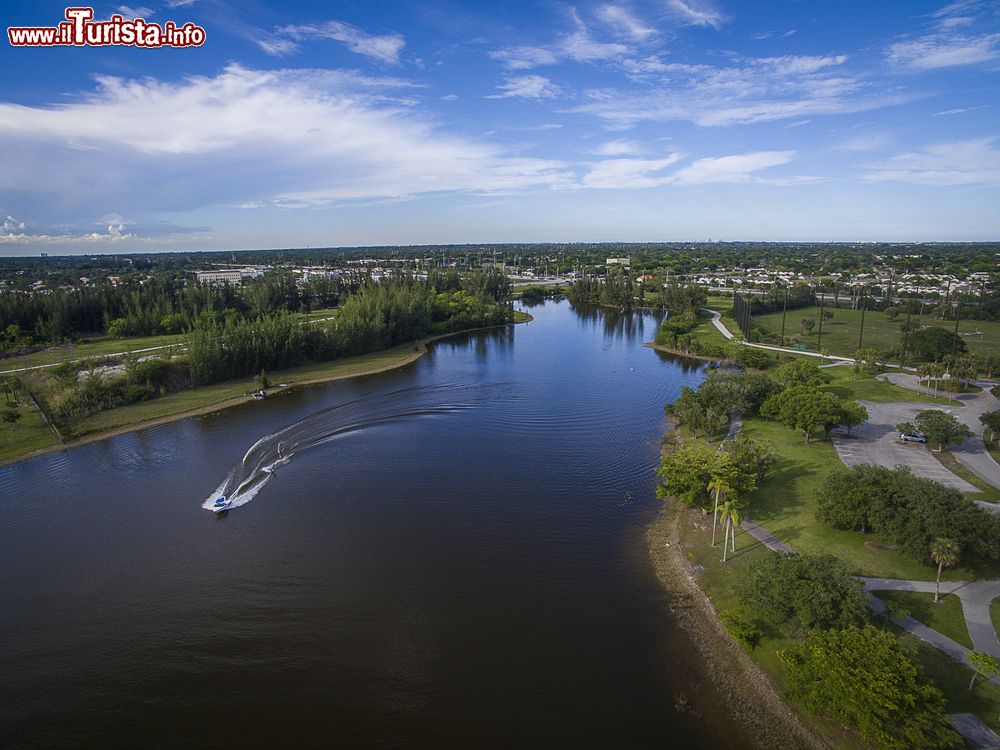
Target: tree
<point>804,591</point>
<point>934,343</point>
<point>826,315</point>
<point>852,415</point>
<point>868,358</point>
<point>862,678</point>
<point>991,421</point>
<point>982,664</point>
<point>941,428</point>
<point>850,498</point>
<point>945,553</point>
<point>688,472</point>
<point>804,408</point>
<point>753,455</point>
<point>807,325</point>
<point>718,488</point>
<point>800,371</point>
<point>732,518</point>
<point>10,416</point>
<point>892,314</point>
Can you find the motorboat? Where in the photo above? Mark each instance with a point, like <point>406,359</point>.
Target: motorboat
<point>220,502</point>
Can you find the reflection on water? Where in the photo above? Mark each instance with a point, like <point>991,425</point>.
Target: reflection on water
<point>454,556</point>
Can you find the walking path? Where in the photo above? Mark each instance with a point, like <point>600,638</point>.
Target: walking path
<point>975,596</point>
<point>721,328</point>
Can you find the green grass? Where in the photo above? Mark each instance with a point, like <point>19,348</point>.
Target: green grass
<point>786,502</point>
<point>846,385</point>
<point>946,616</point>
<point>96,347</point>
<point>200,398</point>
<point>952,679</point>
<point>28,434</point>
<point>987,491</point>
<point>840,335</point>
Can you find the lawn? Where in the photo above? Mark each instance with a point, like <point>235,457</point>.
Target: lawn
<point>785,504</point>
<point>722,581</point>
<point>29,433</point>
<point>987,491</point>
<point>95,347</point>
<point>952,679</point>
<point>840,335</point>
<point>199,398</point>
<point>845,384</point>
<point>946,616</point>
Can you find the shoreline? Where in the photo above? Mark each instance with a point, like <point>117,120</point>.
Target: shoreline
<point>749,693</point>
<point>679,353</point>
<point>418,351</point>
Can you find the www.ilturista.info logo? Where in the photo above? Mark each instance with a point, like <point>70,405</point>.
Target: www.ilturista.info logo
<point>80,30</point>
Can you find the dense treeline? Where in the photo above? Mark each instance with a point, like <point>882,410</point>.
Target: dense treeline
<point>908,511</point>
<point>377,316</point>
<point>158,305</point>
<point>225,344</point>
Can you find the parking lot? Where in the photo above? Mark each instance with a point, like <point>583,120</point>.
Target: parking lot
<point>877,442</point>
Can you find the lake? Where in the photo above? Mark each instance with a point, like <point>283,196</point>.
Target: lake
<point>451,554</point>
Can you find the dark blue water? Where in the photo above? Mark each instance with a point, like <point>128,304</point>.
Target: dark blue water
<point>462,565</point>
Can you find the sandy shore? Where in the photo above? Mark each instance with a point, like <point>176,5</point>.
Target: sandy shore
<point>750,694</point>
<point>419,350</point>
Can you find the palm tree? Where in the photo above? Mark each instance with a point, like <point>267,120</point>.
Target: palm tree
<point>731,518</point>
<point>945,553</point>
<point>719,488</point>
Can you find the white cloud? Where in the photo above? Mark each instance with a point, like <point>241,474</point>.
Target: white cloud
<point>14,234</point>
<point>282,137</point>
<point>696,13</point>
<point>523,58</point>
<point>618,148</point>
<point>139,11</point>
<point>944,51</point>
<point>748,90</point>
<point>866,142</point>
<point>621,19</point>
<point>619,174</point>
<point>736,168</point>
<point>384,48</point>
<point>578,46</point>
<point>957,111</point>
<point>968,162</point>
<point>527,87</point>
<point>180,3</point>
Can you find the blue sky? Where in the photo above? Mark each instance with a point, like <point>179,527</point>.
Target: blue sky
<point>358,123</point>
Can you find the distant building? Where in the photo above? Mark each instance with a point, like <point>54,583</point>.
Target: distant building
<point>618,262</point>
<point>227,276</point>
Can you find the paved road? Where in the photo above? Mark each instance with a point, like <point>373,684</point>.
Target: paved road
<point>972,453</point>
<point>877,442</point>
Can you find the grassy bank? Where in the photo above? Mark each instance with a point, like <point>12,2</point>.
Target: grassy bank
<point>28,435</point>
<point>780,501</point>
<point>211,398</point>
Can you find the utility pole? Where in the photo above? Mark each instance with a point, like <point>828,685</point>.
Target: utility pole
<point>784,310</point>
<point>906,332</point>
<point>861,332</point>
<point>819,342</point>
<point>958,317</point>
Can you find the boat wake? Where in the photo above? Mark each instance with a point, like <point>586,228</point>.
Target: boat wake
<point>258,466</point>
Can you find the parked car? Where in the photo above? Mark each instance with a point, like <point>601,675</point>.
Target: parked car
<point>913,437</point>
